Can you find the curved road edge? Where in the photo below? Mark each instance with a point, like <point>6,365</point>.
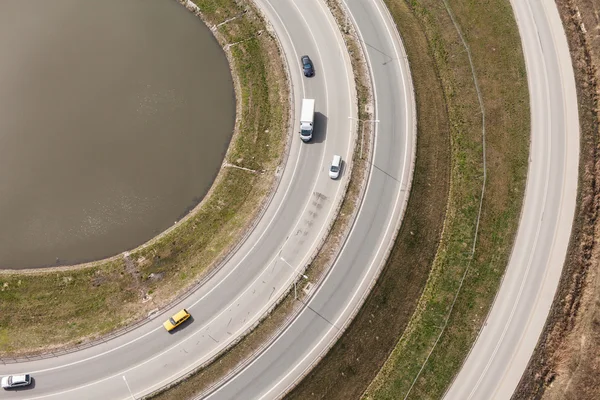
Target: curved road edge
<point>308,337</point>
<point>506,342</point>
<point>388,22</point>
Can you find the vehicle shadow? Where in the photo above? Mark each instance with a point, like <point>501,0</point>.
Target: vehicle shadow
<point>342,170</point>
<point>320,129</point>
<point>183,326</point>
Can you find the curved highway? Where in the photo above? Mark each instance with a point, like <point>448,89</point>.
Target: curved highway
<point>291,355</point>
<point>240,293</point>
<point>510,334</point>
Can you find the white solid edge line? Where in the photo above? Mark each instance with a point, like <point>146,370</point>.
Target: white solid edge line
<point>366,275</point>
<point>372,263</point>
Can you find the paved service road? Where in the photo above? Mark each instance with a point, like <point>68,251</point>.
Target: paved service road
<point>240,293</point>
<point>502,351</point>
<point>285,361</point>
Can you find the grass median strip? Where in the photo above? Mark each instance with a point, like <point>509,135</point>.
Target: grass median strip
<point>430,352</point>
<point>356,358</point>
<point>44,309</point>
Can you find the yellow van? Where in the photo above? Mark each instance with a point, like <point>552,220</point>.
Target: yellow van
<point>176,320</point>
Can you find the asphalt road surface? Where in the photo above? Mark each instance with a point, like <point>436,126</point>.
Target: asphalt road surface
<point>508,338</point>
<point>310,335</point>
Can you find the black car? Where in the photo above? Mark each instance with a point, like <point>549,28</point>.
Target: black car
<point>307,66</point>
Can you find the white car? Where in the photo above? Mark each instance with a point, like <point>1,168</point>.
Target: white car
<point>336,166</point>
<point>14,381</point>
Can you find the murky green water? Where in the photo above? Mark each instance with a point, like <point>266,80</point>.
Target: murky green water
<point>114,119</point>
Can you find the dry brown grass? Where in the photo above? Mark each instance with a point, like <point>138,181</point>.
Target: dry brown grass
<point>566,363</point>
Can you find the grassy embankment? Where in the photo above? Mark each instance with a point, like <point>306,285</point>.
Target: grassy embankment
<point>413,370</point>
<point>204,377</point>
<point>41,310</point>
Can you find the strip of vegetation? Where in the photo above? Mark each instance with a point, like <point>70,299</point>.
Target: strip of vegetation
<point>205,377</point>
<point>430,352</point>
<point>42,310</point>
<point>565,364</point>
<point>356,358</point>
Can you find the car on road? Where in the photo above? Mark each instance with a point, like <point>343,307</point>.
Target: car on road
<point>307,66</point>
<point>336,166</point>
<point>176,320</point>
<point>14,381</point>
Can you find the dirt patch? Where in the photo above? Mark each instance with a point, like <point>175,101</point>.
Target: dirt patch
<point>566,362</point>
<point>41,311</point>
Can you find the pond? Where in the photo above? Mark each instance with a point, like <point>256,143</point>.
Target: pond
<point>115,117</point>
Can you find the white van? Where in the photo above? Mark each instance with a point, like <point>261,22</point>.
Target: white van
<point>336,166</point>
